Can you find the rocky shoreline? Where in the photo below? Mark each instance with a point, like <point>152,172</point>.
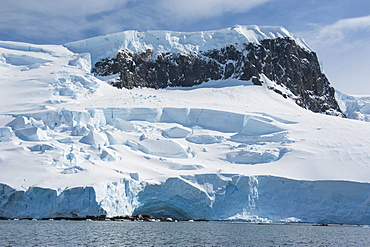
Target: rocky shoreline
<point>149,218</point>
<point>136,217</point>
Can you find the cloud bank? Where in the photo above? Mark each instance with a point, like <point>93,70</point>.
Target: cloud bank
<point>55,21</point>
<point>344,49</point>
<point>199,9</point>
<point>341,31</point>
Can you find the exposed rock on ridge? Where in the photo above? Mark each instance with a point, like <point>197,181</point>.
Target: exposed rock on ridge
<point>281,60</point>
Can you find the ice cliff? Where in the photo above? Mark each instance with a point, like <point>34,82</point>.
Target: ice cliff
<point>202,196</point>
<point>71,145</point>
<point>354,107</point>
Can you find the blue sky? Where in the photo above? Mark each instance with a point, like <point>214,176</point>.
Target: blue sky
<point>338,30</point>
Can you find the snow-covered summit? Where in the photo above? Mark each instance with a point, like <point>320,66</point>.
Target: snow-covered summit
<point>169,41</point>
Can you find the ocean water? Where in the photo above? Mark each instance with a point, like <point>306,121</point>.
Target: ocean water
<point>113,233</point>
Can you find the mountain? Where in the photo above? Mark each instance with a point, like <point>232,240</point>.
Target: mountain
<point>72,145</point>
<point>158,59</point>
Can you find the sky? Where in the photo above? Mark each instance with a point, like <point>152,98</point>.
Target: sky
<point>337,30</point>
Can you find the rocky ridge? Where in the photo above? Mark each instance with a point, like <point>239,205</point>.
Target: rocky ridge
<point>294,71</point>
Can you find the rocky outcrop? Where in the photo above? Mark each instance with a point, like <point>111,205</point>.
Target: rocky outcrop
<point>281,60</point>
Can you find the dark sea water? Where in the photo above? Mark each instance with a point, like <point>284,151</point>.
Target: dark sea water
<point>113,233</point>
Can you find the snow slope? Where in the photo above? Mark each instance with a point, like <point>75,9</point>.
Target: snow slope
<point>221,150</point>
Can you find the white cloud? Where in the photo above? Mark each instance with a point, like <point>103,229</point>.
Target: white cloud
<point>57,21</point>
<point>66,8</point>
<point>54,20</point>
<point>197,9</point>
<point>340,31</point>
<point>344,49</point>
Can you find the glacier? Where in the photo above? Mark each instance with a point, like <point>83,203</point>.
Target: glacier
<point>71,145</point>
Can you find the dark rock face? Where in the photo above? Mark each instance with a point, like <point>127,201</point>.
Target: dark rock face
<point>281,60</point>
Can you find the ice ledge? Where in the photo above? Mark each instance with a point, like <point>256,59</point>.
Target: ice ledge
<point>170,41</point>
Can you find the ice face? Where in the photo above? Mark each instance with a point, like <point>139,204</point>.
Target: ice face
<point>41,203</point>
<point>211,196</point>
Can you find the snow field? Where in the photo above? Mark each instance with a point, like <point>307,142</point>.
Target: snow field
<point>204,127</point>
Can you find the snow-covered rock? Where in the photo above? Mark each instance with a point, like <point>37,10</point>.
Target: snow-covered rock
<point>267,56</point>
